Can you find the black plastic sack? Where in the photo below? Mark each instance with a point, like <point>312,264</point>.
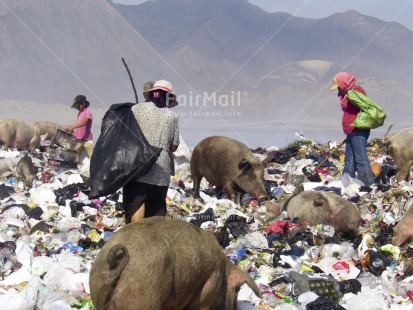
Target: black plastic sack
<point>323,304</point>
<point>121,153</point>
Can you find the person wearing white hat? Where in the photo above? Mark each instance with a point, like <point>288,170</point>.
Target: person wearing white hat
<point>146,196</point>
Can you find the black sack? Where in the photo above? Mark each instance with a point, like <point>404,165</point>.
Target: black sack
<point>121,153</point>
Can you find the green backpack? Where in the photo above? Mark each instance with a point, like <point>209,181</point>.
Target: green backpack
<point>371,115</point>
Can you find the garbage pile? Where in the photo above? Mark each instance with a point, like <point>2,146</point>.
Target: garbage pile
<point>51,233</point>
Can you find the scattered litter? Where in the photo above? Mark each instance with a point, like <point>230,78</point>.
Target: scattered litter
<point>51,233</point>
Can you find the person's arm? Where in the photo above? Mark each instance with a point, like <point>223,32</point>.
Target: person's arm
<point>175,139</point>
<point>173,147</point>
<point>77,125</point>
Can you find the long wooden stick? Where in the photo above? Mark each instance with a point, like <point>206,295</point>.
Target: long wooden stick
<point>387,132</point>
<point>131,80</point>
<point>331,154</point>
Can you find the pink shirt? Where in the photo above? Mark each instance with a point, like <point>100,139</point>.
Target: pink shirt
<point>350,111</point>
<point>84,132</point>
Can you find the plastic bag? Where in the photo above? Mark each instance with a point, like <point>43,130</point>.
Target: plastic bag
<point>371,115</point>
<point>121,154</point>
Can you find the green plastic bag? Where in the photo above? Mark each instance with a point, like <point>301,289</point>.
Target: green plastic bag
<point>371,115</point>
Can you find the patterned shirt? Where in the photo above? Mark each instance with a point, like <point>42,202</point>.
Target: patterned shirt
<point>160,127</point>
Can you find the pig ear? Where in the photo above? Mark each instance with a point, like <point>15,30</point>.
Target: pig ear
<point>244,165</point>
<point>43,137</point>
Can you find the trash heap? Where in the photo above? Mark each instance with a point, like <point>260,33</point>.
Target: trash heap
<point>51,233</point>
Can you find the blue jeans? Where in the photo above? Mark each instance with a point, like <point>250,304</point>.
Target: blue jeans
<point>356,158</point>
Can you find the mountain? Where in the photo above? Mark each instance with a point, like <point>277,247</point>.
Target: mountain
<point>53,50</point>
<point>236,37</point>
<point>235,68</point>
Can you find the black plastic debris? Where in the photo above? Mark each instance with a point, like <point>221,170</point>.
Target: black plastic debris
<point>385,174</point>
<point>272,189</point>
<point>272,238</point>
<point>274,171</point>
<point>236,224</point>
<point>41,226</point>
<point>350,286</point>
<point>11,245</point>
<point>278,281</point>
<point>299,234</point>
<point>376,262</point>
<point>384,236</point>
<point>76,207</point>
<point>207,216</point>
<point>54,252</point>
<point>294,250</point>
<point>323,304</point>
<point>85,229</point>
<point>35,213</point>
<point>319,159</point>
<point>223,237</point>
<point>336,190</point>
<point>313,177</point>
<point>6,191</point>
<point>87,243</point>
<point>277,262</point>
<point>69,191</point>
<point>7,256</point>
<point>284,155</point>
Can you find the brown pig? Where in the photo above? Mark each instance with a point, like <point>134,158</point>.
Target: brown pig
<point>25,170</point>
<point>229,165</point>
<point>325,208</point>
<point>403,231</point>
<point>18,134</point>
<point>47,130</point>
<point>159,263</point>
<point>400,148</point>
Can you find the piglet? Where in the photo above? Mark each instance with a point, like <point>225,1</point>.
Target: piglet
<point>325,208</point>
<point>25,170</point>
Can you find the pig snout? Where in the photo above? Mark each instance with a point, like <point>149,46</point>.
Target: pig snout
<point>258,192</point>
<point>28,181</point>
<point>262,198</point>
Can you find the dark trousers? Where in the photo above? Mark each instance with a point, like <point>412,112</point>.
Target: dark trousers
<point>136,193</point>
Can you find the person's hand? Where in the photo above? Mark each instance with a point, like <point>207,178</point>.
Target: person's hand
<point>70,129</point>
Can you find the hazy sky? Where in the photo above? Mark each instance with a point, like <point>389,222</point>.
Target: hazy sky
<point>400,11</point>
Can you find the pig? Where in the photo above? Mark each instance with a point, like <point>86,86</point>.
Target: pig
<point>403,231</point>
<point>229,165</point>
<point>400,148</point>
<point>18,134</point>
<point>25,170</point>
<point>160,263</point>
<point>325,208</point>
<point>47,130</point>
<point>8,166</point>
